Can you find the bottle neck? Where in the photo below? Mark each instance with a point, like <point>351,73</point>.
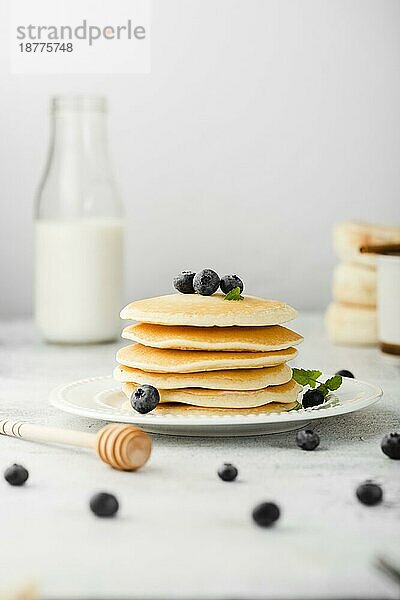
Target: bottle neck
<point>81,137</point>
<point>78,179</point>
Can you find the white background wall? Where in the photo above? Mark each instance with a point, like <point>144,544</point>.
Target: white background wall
<point>262,123</point>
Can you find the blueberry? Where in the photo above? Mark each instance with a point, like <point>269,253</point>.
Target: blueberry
<point>16,475</point>
<point>313,398</point>
<point>266,513</point>
<point>145,398</point>
<point>228,472</point>
<point>230,282</point>
<point>369,493</point>
<point>104,505</point>
<point>206,282</point>
<point>345,373</point>
<point>391,445</point>
<point>307,439</point>
<point>184,282</point>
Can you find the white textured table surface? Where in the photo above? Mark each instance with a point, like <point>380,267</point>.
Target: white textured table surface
<point>181,532</point>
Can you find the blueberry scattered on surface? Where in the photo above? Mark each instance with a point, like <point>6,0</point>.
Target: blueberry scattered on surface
<point>227,472</point>
<point>145,398</point>
<point>391,445</point>
<point>307,439</point>
<point>230,282</point>
<point>345,373</point>
<point>206,282</point>
<point>184,282</point>
<point>104,505</point>
<point>369,493</point>
<point>312,398</point>
<point>16,475</point>
<point>266,513</point>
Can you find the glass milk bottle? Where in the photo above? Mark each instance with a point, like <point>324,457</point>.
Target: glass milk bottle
<point>78,229</point>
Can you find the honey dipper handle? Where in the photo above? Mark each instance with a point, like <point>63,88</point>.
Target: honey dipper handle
<point>39,433</point>
<point>123,447</point>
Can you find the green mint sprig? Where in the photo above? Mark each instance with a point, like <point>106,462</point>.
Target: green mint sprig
<point>234,294</point>
<point>310,377</point>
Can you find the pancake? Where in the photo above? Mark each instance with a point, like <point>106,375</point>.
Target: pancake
<point>236,379</point>
<point>354,284</point>
<point>351,324</point>
<point>349,236</point>
<point>286,393</point>
<point>193,361</point>
<point>185,410</point>
<point>208,311</point>
<point>239,339</point>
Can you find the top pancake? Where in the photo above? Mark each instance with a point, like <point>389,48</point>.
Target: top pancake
<point>238,339</point>
<point>208,311</point>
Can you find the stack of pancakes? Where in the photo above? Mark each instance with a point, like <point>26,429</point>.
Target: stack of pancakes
<point>351,319</point>
<point>210,353</point>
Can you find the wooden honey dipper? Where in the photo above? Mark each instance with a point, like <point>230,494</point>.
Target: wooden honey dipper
<point>124,447</point>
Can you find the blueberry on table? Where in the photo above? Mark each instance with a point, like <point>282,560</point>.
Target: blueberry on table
<point>266,513</point>
<point>345,373</point>
<point>145,398</point>
<point>369,493</point>
<point>104,505</point>
<point>16,475</point>
<point>312,398</point>
<point>227,472</point>
<point>206,282</point>
<point>391,445</point>
<point>307,439</point>
<point>230,282</point>
<point>184,282</point>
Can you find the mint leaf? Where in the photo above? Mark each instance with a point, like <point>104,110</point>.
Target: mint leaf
<point>301,376</point>
<point>334,383</point>
<point>306,377</point>
<point>315,374</point>
<point>234,294</point>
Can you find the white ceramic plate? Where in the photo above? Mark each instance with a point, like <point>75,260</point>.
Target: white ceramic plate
<point>101,398</point>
